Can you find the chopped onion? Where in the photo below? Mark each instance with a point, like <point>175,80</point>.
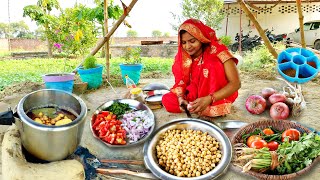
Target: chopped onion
<point>137,124</point>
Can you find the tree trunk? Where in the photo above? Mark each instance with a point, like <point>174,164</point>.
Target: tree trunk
<point>113,29</point>
<point>103,52</point>
<point>259,29</point>
<point>49,48</point>
<point>106,45</point>
<point>303,42</point>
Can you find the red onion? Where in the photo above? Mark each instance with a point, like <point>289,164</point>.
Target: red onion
<point>277,97</point>
<point>279,111</point>
<point>267,92</point>
<point>255,104</point>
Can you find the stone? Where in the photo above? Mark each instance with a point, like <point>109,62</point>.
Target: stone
<point>15,165</point>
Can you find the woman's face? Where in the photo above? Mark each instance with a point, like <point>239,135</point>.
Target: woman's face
<point>191,45</point>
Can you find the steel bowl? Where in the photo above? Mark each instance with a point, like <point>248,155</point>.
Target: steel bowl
<point>51,143</point>
<point>133,104</point>
<point>149,149</point>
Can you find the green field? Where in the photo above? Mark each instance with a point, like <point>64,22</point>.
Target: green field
<point>31,70</point>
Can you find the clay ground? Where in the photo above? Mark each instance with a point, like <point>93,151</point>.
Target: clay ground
<point>250,85</point>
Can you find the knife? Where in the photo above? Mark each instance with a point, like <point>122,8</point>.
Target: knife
<point>229,124</point>
<point>186,110</point>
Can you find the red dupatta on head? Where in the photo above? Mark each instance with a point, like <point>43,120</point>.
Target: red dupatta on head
<point>214,52</point>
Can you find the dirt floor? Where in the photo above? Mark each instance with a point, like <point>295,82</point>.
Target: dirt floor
<point>250,85</point>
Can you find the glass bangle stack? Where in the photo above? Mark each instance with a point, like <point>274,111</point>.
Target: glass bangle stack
<point>298,65</point>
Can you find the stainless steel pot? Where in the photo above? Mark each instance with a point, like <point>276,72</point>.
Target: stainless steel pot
<point>149,149</point>
<point>50,143</point>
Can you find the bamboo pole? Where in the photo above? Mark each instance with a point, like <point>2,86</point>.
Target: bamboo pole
<point>107,36</point>
<point>303,42</point>
<point>106,47</point>
<point>259,29</point>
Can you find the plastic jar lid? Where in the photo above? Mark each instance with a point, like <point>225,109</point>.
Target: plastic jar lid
<point>136,91</point>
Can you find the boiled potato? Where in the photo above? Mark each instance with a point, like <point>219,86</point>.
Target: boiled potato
<point>63,122</point>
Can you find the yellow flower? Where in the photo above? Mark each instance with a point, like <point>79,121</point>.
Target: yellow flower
<point>78,35</point>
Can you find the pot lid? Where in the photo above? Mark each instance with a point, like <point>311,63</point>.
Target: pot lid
<point>155,86</point>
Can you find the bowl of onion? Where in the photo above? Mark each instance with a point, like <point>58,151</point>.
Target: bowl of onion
<point>188,148</point>
<point>122,123</point>
<point>275,149</point>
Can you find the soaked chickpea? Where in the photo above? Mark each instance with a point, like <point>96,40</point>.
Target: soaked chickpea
<point>188,153</point>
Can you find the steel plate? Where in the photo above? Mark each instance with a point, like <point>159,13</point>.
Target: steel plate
<point>136,105</point>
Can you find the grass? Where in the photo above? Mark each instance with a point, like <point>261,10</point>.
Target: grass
<point>258,62</point>
<point>14,71</point>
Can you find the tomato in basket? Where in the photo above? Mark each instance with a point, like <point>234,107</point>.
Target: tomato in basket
<point>252,138</point>
<point>292,134</point>
<point>258,144</point>
<point>273,145</point>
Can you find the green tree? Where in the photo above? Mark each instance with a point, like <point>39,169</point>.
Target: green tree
<point>3,30</point>
<point>41,14</point>
<point>20,30</point>
<point>166,34</point>
<point>132,33</point>
<point>17,30</point>
<point>71,33</point>
<point>156,33</point>
<point>208,11</point>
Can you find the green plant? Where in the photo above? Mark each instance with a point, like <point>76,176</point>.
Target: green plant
<point>132,55</point>
<point>90,62</point>
<point>226,40</point>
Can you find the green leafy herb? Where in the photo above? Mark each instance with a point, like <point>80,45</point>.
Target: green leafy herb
<point>298,154</point>
<point>118,108</point>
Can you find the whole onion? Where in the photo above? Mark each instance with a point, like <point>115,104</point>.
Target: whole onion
<point>279,111</point>
<point>255,104</point>
<point>277,97</point>
<point>267,92</point>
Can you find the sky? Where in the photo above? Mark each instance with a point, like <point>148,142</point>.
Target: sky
<point>145,16</point>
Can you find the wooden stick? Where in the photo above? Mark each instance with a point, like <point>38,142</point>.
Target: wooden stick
<point>120,161</point>
<point>107,36</point>
<point>259,28</point>
<point>303,42</point>
<point>124,171</point>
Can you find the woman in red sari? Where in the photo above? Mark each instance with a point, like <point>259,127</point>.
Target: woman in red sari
<point>206,76</point>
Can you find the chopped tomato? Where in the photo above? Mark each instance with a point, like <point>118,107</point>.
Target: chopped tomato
<point>108,128</point>
<point>96,123</point>
<point>292,134</point>
<point>105,113</point>
<point>268,131</point>
<point>273,145</point>
<point>252,138</point>
<point>258,144</point>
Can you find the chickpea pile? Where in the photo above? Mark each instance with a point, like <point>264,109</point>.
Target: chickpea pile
<point>187,153</point>
<point>59,120</point>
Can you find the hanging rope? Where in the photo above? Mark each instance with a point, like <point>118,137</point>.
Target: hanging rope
<point>262,9</point>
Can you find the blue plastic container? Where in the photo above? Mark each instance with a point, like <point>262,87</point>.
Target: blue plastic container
<point>92,76</point>
<point>62,81</point>
<point>132,70</point>
<point>298,65</point>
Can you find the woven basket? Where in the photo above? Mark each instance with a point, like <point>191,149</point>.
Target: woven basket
<point>279,125</point>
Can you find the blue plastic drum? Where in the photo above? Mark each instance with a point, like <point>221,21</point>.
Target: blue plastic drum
<point>298,65</point>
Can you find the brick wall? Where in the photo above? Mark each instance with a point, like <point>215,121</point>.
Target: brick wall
<point>117,46</point>
<point>28,45</point>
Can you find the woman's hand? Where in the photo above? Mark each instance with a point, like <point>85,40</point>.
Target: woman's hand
<point>182,101</point>
<point>200,104</point>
